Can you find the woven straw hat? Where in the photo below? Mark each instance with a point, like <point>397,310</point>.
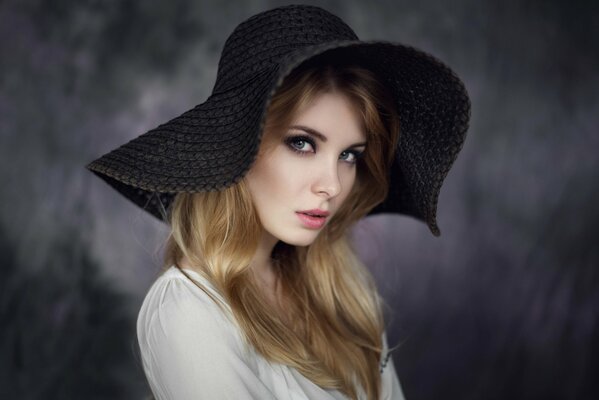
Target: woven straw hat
<point>213,145</point>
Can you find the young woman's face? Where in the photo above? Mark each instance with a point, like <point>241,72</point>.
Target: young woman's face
<point>306,172</point>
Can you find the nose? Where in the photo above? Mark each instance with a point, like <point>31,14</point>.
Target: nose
<point>327,180</point>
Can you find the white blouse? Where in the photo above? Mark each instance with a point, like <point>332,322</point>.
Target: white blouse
<point>191,349</point>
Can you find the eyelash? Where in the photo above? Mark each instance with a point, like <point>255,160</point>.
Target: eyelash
<point>293,139</point>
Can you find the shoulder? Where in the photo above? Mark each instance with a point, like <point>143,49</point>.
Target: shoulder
<point>385,353</point>
<point>191,347</point>
<point>176,311</point>
<point>390,387</point>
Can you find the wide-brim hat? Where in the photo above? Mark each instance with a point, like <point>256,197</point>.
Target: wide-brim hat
<point>213,145</point>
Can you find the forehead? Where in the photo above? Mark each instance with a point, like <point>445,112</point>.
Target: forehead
<point>334,115</point>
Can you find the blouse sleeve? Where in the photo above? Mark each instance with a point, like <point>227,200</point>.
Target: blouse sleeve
<point>189,352</point>
<point>391,389</point>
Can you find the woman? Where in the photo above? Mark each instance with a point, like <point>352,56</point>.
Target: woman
<point>307,131</point>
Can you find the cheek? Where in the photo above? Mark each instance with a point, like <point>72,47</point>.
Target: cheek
<point>275,179</point>
<point>348,180</point>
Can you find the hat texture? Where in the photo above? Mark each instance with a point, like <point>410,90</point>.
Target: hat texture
<point>213,145</point>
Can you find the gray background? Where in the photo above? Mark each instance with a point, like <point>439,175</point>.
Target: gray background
<point>503,305</point>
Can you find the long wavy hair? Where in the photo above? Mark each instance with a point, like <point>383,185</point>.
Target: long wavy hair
<point>335,338</point>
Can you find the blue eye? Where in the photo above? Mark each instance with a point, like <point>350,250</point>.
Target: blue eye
<point>294,140</point>
<point>298,144</point>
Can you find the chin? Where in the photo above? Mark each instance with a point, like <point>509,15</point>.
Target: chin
<point>301,240</point>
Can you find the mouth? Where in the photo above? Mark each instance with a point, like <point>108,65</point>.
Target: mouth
<point>312,221</point>
<point>316,212</point>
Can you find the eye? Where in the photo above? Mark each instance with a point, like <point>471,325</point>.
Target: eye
<point>355,156</point>
<point>298,144</point>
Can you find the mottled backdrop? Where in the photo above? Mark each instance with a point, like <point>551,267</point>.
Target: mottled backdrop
<point>503,305</point>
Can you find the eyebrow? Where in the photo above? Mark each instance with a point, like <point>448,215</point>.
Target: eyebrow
<point>318,135</point>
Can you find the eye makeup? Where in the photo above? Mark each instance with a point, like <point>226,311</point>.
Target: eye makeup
<point>291,142</point>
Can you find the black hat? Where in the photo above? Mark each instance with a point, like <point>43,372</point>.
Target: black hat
<point>213,145</point>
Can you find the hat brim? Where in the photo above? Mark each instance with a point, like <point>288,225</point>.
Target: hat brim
<point>206,148</point>
<point>213,145</point>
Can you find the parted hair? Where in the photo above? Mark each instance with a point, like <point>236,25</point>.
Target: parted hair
<point>335,335</point>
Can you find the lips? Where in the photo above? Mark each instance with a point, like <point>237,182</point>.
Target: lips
<point>315,212</point>
<point>312,222</point>
<point>312,215</point>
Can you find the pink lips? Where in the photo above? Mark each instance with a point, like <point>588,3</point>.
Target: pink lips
<point>313,222</point>
<point>314,218</point>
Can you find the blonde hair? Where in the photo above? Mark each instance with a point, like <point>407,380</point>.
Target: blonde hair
<point>335,338</point>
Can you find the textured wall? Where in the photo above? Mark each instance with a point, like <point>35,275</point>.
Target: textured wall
<point>503,305</point>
